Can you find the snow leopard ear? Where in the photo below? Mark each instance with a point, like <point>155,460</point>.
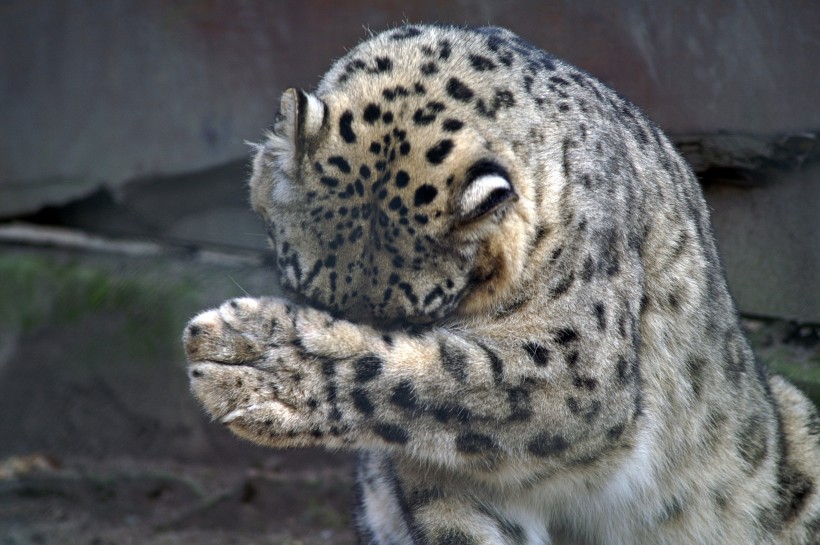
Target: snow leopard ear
<point>300,118</point>
<point>488,189</point>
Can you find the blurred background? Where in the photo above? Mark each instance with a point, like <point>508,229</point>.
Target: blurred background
<point>124,211</point>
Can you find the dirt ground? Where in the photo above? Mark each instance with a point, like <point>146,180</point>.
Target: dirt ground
<point>128,502</point>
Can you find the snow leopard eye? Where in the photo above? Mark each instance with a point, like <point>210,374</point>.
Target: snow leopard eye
<point>487,190</point>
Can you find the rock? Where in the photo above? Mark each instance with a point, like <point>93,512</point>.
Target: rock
<point>747,159</point>
<point>769,240</point>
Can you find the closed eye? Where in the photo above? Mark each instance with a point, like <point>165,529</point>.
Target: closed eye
<point>484,194</point>
<point>490,188</point>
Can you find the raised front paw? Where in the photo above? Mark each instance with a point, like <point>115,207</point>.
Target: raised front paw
<point>247,369</point>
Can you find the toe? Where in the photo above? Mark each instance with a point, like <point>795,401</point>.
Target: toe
<point>210,337</point>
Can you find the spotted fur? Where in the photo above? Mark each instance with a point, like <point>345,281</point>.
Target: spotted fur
<point>507,298</point>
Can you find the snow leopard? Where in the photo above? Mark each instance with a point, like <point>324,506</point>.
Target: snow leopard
<point>503,293</point>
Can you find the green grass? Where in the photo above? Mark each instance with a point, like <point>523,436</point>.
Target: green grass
<point>38,291</point>
<point>805,375</point>
<point>790,350</point>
